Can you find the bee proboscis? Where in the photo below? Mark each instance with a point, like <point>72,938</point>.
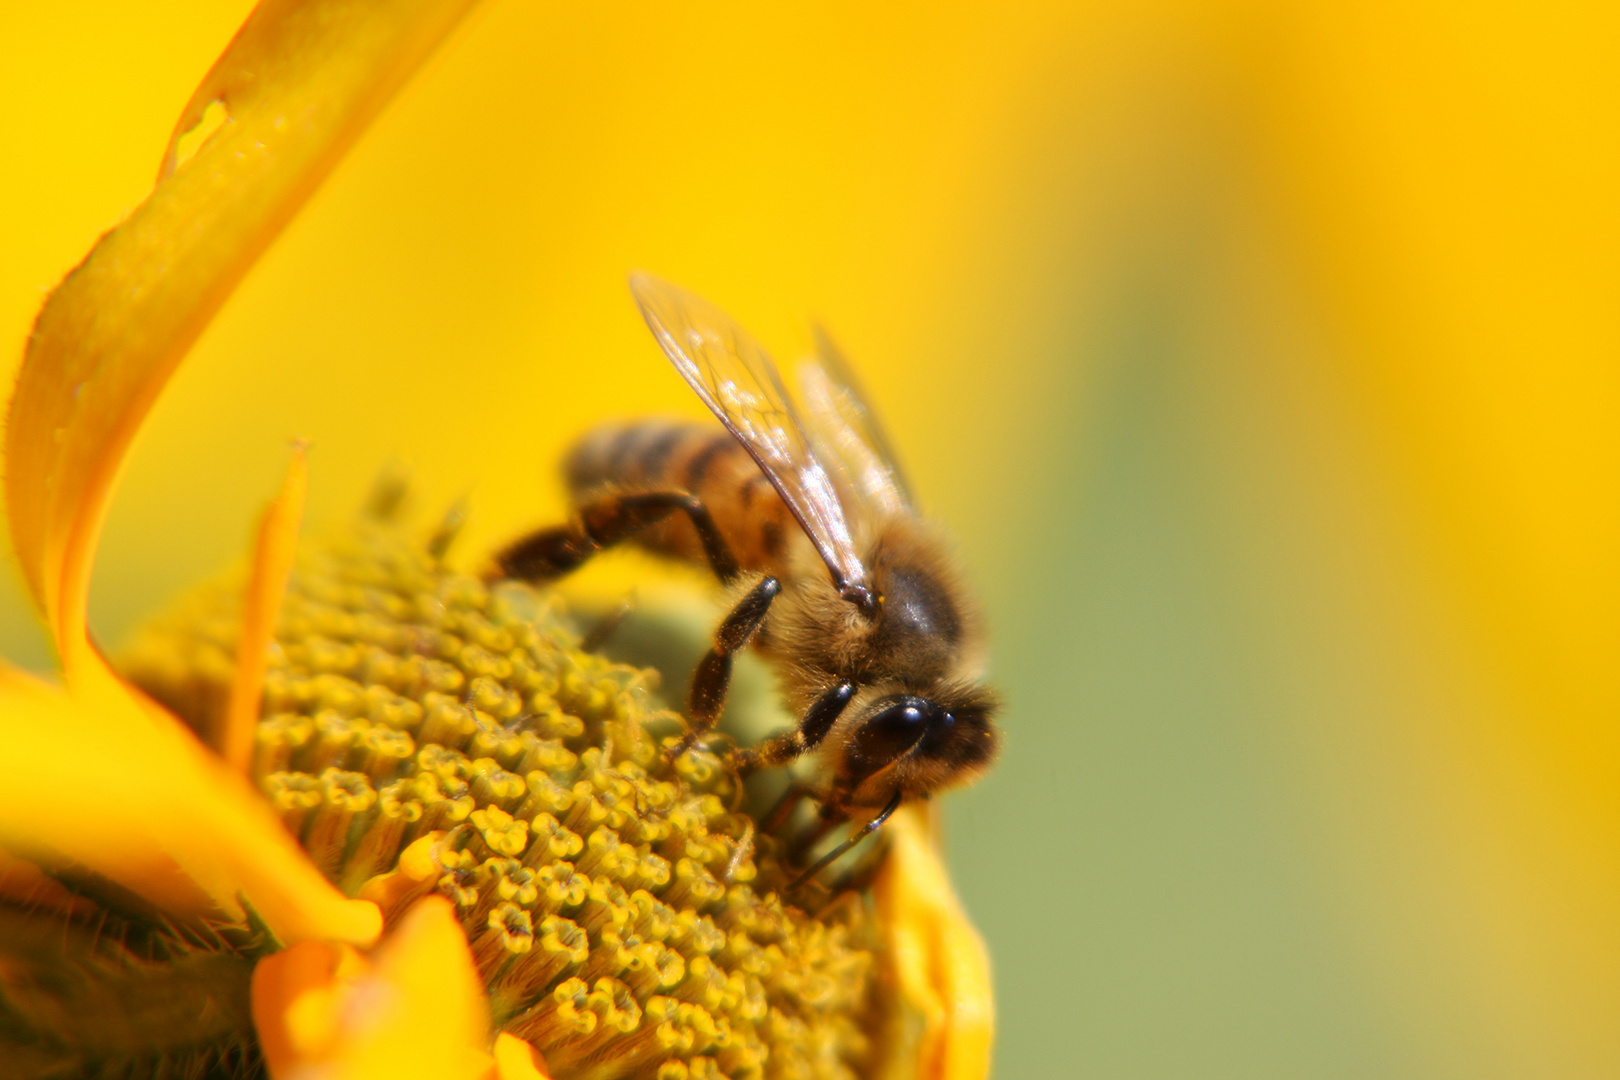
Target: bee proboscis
<point>798,506</point>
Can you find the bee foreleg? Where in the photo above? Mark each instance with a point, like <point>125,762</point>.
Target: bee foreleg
<point>856,837</point>
<point>783,748</point>
<point>712,679</point>
<point>603,522</point>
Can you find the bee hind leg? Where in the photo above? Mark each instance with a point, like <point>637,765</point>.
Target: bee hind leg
<point>604,522</point>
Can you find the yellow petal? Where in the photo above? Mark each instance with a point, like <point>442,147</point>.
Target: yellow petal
<point>297,86</point>
<point>414,1008</point>
<point>939,960</point>
<point>517,1059</point>
<point>97,779</point>
<point>273,552</point>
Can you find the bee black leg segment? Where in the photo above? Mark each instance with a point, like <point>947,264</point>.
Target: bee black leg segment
<point>712,679</point>
<point>795,794</point>
<point>860,834</point>
<point>783,748</point>
<point>604,522</point>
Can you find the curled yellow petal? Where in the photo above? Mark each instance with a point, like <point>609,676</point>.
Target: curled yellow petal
<point>95,781</point>
<point>413,1008</point>
<point>273,552</point>
<point>939,961</point>
<point>297,85</point>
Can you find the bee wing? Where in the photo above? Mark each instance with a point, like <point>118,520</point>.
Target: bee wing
<point>846,433</point>
<point>733,375</point>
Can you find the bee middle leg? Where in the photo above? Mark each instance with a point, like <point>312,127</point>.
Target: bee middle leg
<point>712,679</point>
<point>614,518</point>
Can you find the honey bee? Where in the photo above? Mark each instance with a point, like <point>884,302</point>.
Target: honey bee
<point>796,505</point>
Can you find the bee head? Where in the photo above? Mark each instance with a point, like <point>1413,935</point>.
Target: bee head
<point>920,744</point>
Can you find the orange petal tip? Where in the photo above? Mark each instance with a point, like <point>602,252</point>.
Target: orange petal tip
<point>274,547</point>
<point>414,1007</point>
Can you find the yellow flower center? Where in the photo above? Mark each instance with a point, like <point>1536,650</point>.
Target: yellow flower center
<point>626,916</point>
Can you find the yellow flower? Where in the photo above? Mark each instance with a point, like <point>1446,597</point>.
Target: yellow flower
<point>168,881</point>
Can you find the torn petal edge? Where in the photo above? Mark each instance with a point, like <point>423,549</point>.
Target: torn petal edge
<point>110,335</point>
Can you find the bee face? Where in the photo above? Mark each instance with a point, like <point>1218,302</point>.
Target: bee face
<point>916,745</point>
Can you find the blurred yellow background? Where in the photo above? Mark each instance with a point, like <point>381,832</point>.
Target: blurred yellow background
<point>1263,358</point>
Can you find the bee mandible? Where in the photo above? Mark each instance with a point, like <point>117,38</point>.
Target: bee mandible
<point>798,507</point>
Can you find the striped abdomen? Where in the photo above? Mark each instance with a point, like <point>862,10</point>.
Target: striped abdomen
<point>702,459</point>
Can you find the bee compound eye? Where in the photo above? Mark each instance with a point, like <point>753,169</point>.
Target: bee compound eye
<point>892,731</point>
